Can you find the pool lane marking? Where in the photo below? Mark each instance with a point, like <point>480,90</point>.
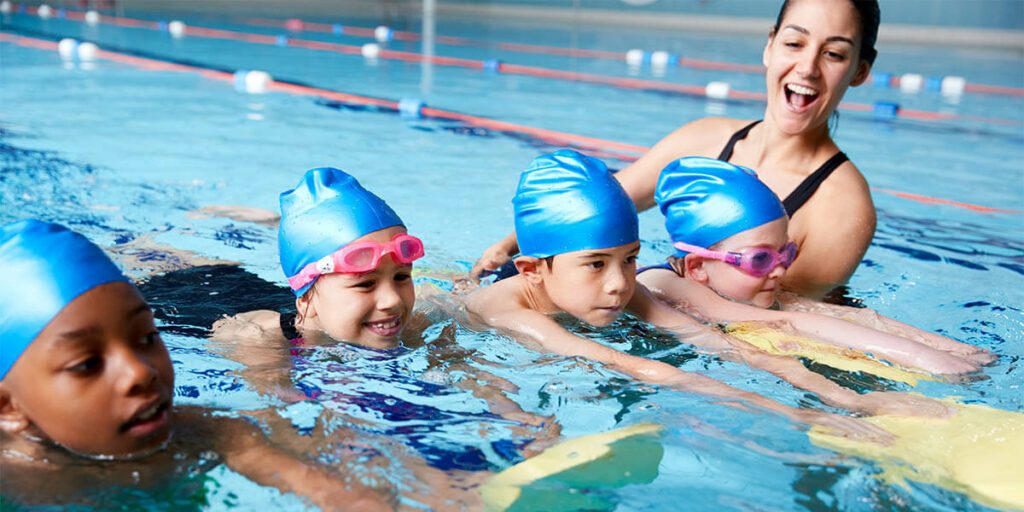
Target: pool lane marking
<point>568,52</point>
<point>401,35</point>
<point>606,148</point>
<point>625,83</point>
<point>618,150</point>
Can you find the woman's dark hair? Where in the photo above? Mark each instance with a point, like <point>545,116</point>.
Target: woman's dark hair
<point>870,16</point>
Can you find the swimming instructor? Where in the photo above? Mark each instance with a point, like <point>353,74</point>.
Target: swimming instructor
<point>815,51</point>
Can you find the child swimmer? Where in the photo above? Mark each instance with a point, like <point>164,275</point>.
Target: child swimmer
<point>85,375</point>
<point>730,232</point>
<point>578,233</point>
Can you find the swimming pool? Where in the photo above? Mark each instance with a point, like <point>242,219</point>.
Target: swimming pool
<point>120,150</point>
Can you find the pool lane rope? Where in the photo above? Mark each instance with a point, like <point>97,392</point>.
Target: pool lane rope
<point>600,147</point>
<point>886,112</point>
<point>910,83</point>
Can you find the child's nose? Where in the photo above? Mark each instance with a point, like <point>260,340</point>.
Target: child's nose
<point>616,281</point>
<point>137,374</point>
<point>388,298</point>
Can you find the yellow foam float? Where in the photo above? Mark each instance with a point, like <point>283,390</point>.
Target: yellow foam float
<point>550,480</point>
<point>774,341</point>
<point>978,451</point>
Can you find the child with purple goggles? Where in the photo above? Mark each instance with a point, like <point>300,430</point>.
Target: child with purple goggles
<point>732,245</point>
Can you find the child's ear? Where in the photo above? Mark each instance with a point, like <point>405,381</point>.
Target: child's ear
<point>12,420</point>
<point>529,268</point>
<point>304,305</point>
<point>693,268</point>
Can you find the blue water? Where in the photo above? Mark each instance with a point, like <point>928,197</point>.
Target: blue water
<point>120,153</point>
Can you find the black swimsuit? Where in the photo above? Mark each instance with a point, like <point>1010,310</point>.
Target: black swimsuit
<point>806,189</point>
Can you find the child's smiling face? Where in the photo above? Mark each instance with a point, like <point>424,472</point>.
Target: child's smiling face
<point>592,285</point>
<point>366,309</point>
<point>733,283</point>
<point>97,380</point>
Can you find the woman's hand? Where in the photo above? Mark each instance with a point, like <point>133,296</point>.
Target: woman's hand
<point>495,256</point>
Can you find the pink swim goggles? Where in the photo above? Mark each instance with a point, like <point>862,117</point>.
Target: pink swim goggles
<point>756,261</point>
<point>359,258</point>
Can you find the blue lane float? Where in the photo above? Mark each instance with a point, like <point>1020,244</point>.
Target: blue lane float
<point>885,110</point>
<point>338,29</point>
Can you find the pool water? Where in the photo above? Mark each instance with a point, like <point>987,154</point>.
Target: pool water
<point>124,153</point>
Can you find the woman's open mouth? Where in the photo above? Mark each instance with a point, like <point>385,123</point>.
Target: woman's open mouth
<point>799,97</point>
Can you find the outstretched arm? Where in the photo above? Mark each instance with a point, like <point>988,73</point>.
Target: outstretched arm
<point>545,332</point>
<point>247,451</point>
<point>831,330</point>
<point>872,319</point>
<point>786,368</point>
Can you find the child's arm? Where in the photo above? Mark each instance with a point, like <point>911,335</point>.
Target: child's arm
<point>554,338</point>
<point>872,319</point>
<point>831,330</point>
<point>254,339</point>
<point>247,451</point>
<point>786,368</point>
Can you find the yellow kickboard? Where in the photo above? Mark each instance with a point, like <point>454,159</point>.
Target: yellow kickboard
<point>777,342</point>
<point>978,452</point>
<point>607,460</point>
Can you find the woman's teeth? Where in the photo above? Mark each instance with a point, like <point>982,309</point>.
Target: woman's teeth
<point>799,89</point>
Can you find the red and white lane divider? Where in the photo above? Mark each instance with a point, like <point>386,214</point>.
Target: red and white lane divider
<point>910,83</point>
<point>713,90</point>
<point>602,148</point>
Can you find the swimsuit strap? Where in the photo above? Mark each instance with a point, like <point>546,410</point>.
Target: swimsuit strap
<point>807,188</point>
<point>665,266</point>
<point>287,321</point>
<point>736,137</point>
<point>810,185</point>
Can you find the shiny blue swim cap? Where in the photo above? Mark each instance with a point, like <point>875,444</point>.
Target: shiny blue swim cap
<point>326,211</point>
<point>568,202</point>
<point>43,267</point>
<point>706,201</point>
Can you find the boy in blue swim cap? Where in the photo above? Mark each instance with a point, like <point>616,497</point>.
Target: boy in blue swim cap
<point>84,374</point>
<point>732,251</point>
<point>578,233</point>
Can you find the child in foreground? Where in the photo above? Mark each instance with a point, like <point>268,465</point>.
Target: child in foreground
<point>85,376</point>
<point>732,250</point>
<point>578,232</point>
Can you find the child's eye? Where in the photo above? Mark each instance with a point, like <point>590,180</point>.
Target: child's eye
<point>835,56</point>
<point>86,366</point>
<point>366,285</point>
<point>152,338</point>
<point>631,259</point>
<point>402,276</point>
<point>596,265</point>
<point>792,44</point>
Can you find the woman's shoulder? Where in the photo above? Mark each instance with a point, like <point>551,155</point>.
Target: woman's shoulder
<point>705,136</point>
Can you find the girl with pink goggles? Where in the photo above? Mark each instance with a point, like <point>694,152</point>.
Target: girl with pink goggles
<point>360,258</point>
<point>756,261</point>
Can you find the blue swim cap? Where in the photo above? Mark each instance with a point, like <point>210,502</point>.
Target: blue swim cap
<point>326,211</point>
<point>568,202</point>
<point>43,267</point>
<point>706,201</point>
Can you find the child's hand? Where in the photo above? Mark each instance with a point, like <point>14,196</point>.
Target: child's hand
<point>845,426</point>
<point>902,404</point>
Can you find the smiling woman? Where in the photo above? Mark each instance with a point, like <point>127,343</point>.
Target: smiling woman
<point>815,51</point>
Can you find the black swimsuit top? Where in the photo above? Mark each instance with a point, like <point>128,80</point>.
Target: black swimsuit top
<point>807,188</point>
